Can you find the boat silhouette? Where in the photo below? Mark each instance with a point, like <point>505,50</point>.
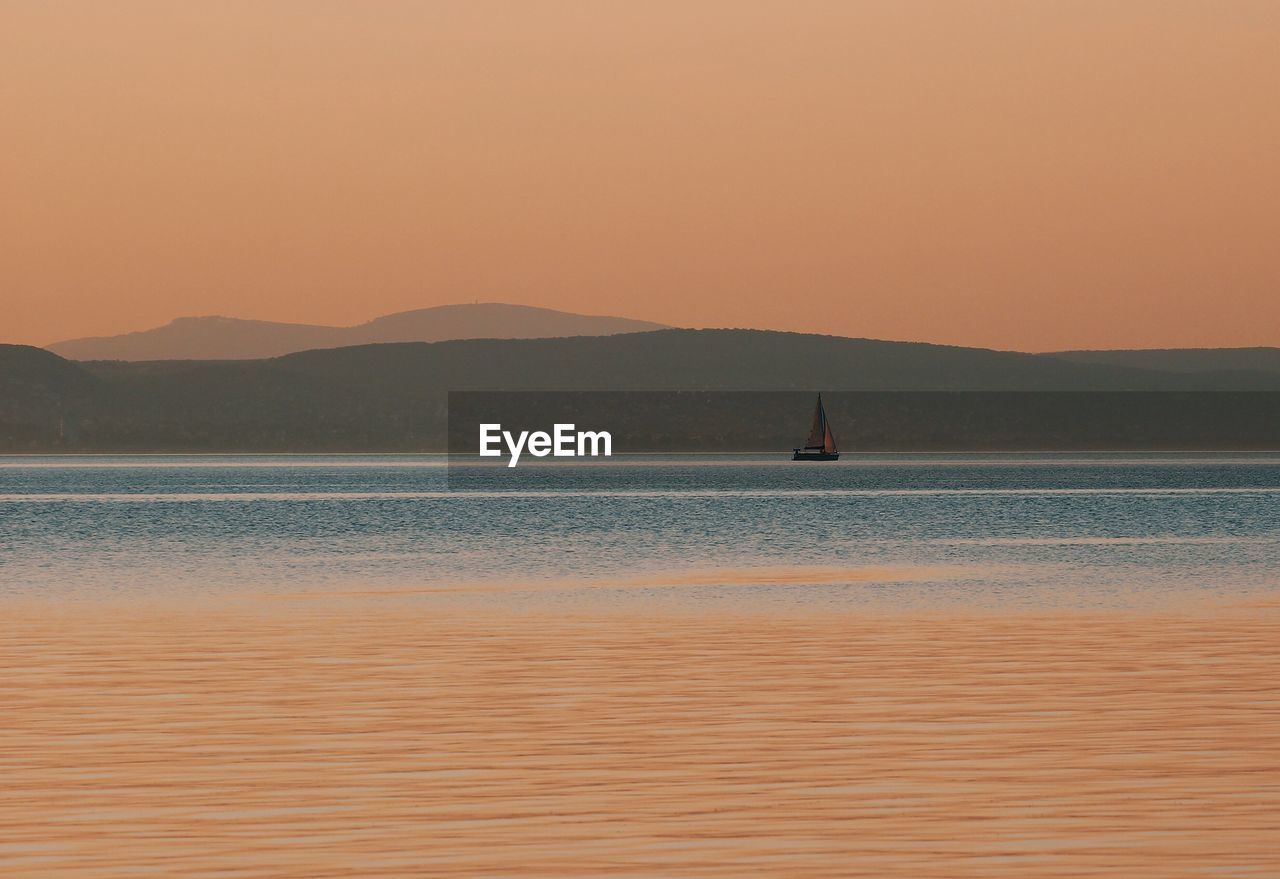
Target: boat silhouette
<point>821,444</point>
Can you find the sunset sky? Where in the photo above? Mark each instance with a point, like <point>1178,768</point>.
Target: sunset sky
<point>1028,174</point>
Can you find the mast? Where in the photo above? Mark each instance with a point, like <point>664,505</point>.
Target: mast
<point>820,436</point>
<point>828,438</point>
<point>818,428</point>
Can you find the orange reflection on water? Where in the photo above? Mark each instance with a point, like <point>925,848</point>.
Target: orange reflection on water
<point>379,737</point>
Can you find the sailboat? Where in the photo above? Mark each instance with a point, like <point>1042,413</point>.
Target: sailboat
<point>821,445</point>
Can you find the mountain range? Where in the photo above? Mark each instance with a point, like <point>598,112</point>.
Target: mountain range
<point>393,396</point>
<point>228,338</point>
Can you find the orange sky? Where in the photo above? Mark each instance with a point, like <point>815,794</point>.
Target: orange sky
<point>1031,175</point>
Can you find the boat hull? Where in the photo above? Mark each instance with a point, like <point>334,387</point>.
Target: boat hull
<point>801,455</point>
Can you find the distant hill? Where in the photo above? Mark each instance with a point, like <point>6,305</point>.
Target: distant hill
<point>36,390</point>
<point>1182,359</point>
<point>226,338</point>
<point>393,397</point>
<point>26,371</point>
<point>736,360</point>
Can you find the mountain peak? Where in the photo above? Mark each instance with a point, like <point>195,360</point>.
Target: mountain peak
<point>216,337</point>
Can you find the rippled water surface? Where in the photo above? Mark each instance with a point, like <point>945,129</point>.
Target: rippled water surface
<point>1087,530</point>
<point>1029,667</point>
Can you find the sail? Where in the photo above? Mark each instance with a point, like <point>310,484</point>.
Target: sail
<point>820,436</point>
<point>828,441</point>
<point>818,429</point>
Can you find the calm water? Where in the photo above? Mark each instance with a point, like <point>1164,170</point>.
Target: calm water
<point>1074,530</point>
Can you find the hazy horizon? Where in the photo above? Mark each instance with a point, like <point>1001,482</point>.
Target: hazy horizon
<point>361,322</point>
<point>1029,177</point>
